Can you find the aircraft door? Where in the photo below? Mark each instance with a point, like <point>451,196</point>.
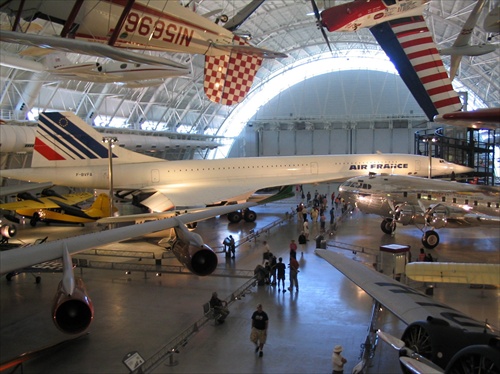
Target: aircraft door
<point>417,166</point>
<point>155,176</point>
<point>314,168</point>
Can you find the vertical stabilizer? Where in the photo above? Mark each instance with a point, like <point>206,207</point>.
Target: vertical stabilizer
<point>228,78</point>
<point>64,139</point>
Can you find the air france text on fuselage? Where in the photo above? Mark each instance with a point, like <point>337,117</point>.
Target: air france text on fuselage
<point>378,166</point>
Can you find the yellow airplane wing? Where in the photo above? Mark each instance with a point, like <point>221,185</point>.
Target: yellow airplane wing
<point>46,203</point>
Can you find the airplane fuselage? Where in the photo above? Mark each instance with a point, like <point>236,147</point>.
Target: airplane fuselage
<point>355,15</point>
<point>150,25</point>
<point>271,171</point>
<point>372,196</point>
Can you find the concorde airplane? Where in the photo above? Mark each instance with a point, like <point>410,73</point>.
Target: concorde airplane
<point>401,31</point>
<point>112,28</point>
<point>431,203</point>
<point>69,152</point>
<point>72,309</point>
<point>438,338</point>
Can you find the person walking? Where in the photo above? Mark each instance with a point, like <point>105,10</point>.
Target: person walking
<point>232,246</point>
<point>294,271</point>
<point>280,271</point>
<point>293,249</point>
<point>260,323</point>
<point>306,229</point>
<point>338,361</point>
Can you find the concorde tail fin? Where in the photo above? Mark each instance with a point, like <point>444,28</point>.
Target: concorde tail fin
<point>64,139</point>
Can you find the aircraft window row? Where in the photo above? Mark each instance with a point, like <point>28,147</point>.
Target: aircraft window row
<point>454,200</point>
<point>244,167</point>
<point>362,185</point>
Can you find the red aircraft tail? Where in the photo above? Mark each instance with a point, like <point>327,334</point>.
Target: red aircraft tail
<point>228,78</point>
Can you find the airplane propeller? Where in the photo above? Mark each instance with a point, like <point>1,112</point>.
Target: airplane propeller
<point>319,24</point>
<point>410,359</point>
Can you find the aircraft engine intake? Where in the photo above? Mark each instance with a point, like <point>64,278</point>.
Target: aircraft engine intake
<point>441,343</point>
<point>8,231</point>
<point>436,216</point>
<point>405,214</point>
<point>72,314</point>
<point>190,250</point>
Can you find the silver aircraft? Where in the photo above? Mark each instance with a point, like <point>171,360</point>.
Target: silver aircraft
<point>431,203</point>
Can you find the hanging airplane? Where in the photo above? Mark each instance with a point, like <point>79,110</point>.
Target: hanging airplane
<point>438,339</point>
<point>431,203</point>
<point>69,152</point>
<point>108,28</point>
<point>72,309</point>
<point>461,46</point>
<point>126,74</point>
<point>485,118</point>
<point>51,208</point>
<point>401,31</point>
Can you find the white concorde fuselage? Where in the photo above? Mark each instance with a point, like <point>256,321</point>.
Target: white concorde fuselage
<point>255,173</point>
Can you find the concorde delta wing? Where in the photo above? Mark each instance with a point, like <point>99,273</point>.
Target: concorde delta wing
<point>404,302</point>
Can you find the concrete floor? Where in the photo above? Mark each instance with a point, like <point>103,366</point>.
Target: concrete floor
<point>141,313</point>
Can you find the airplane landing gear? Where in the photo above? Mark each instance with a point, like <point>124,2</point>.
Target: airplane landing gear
<point>388,226</point>
<point>430,239</point>
<point>248,215</point>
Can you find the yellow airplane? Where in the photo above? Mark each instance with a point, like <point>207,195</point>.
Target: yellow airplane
<point>58,208</point>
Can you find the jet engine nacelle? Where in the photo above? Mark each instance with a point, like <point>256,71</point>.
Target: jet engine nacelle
<point>72,314</point>
<point>190,250</point>
<point>443,344</point>
<point>8,231</point>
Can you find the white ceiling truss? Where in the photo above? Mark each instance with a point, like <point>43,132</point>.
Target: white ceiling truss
<point>286,26</point>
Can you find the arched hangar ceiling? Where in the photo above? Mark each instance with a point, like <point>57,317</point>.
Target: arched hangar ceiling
<point>288,26</point>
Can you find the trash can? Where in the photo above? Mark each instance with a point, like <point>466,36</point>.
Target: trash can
<point>319,239</point>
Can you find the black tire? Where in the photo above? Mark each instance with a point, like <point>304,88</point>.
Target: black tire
<point>430,240</point>
<point>34,219</point>
<point>387,226</point>
<point>234,217</point>
<point>250,215</point>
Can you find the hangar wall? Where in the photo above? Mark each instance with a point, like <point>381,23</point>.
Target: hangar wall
<point>262,142</point>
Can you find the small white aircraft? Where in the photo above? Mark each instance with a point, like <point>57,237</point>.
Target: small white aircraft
<point>461,46</point>
<point>72,309</point>
<point>428,202</point>
<point>130,75</point>
<point>69,152</point>
<point>112,29</point>
<point>438,339</point>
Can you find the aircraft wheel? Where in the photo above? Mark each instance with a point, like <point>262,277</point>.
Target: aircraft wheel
<point>34,219</point>
<point>38,279</point>
<point>417,338</point>
<point>250,215</point>
<point>387,226</point>
<point>430,239</point>
<point>9,277</point>
<point>234,217</point>
<point>191,225</point>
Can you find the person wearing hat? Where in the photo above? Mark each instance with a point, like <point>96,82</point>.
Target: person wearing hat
<point>338,361</point>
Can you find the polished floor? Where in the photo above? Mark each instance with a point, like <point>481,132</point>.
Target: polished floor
<point>140,312</point>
